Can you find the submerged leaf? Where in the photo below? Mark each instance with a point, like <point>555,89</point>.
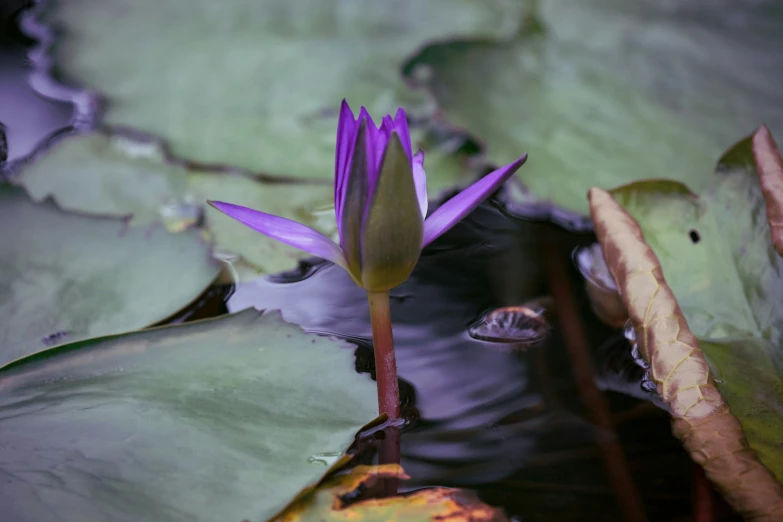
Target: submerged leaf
<point>702,420</point>
<point>329,502</point>
<point>65,277</point>
<point>611,91</point>
<point>213,420</point>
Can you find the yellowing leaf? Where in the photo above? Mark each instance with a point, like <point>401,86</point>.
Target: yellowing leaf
<point>332,501</point>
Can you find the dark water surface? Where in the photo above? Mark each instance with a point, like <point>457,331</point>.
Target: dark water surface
<point>506,416</point>
<point>504,419</point>
<point>28,116</point>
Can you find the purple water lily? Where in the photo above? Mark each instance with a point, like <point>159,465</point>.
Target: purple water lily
<point>380,199</point>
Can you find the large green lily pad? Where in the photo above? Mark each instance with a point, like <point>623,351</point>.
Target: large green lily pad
<point>67,277</point>
<point>120,175</point>
<point>716,255</point>
<point>224,419</point>
<point>612,91</point>
<point>311,204</point>
<point>108,175</point>
<point>256,84</point>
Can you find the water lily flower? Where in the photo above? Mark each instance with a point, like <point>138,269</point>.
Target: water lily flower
<point>380,199</point>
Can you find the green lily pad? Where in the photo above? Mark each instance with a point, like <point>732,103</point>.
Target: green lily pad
<point>311,204</point>
<point>610,91</point>
<point>222,419</point>
<point>447,165</point>
<point>108,175</point>
<point>120,175</point>
<point>716,255</point>
<point>256,84</point>
<point>65,277</point>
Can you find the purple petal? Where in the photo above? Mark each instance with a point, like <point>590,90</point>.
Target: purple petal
<point>346,129</point>
<point>372,139</point>
<point>379,143</point>
<point>375,144</point>
<point>463,203</point>
<point>384,133</point>
<point>355,203</point>
<point>401,124</point>
<point>284,230</point>
<point>420,180</point>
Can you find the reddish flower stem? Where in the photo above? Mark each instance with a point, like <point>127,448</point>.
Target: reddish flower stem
<point>386,378</point>
<point>385,362</point>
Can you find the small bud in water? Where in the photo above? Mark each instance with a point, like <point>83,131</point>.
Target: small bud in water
<point>600,286</point>
<point>523,325</point>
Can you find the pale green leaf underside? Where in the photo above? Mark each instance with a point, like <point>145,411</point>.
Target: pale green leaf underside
<point>749,377</point>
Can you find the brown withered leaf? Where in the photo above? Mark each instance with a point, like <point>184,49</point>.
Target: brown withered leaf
<point>339,499</point>
<point>715,251</point>
<point>770,168</point>
<point>701,418</point>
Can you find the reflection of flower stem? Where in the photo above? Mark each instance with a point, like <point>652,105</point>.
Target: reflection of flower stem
<point>575,338</point>
<point>385,362</point>
<point>390,454</point>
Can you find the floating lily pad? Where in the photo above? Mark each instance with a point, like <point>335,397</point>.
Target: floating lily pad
<point>256,84</point>
<point>610,91</point>
<point>108,175</point>
<point>716,255</point>
<point>447,165</point>
<point>214,420</point>
<point>120,175</point>
<point>311,204</point>
<point>65,277</point>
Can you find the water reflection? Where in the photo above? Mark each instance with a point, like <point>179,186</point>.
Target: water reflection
<point>483,413</point>
<point>28,117</point>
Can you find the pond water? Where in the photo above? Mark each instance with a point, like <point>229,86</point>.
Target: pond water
<point>28,117</point>
<point>504,418</point>
<point>489,330</point>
